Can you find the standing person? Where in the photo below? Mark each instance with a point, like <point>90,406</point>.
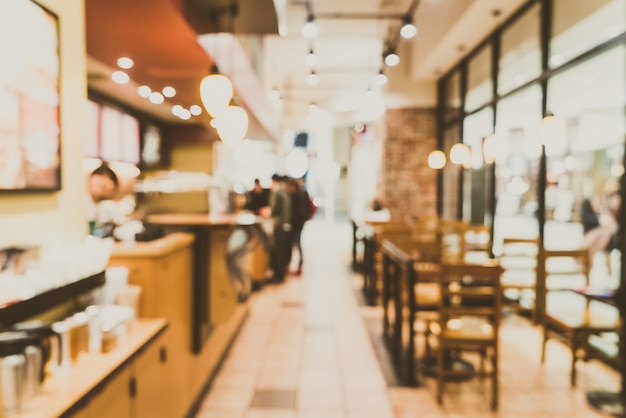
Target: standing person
<point>300,213</point>
<point>280,212</point>
<point>257,198</point>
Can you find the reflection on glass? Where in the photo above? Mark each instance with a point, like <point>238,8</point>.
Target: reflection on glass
<point>479,82</point>
<point>452,95</point>
<point>579,25</point>
<point>475,128</point>
<point>517,164</point>
<point>520,57</point>
<point>589,99</point>
<point>450,175</point>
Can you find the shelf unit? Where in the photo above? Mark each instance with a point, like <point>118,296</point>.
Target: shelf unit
<point>28,308</point>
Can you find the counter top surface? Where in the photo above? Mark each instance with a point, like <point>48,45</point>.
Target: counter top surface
<point>60,393</point>
<point>202,219</point>
<point>156,248</point>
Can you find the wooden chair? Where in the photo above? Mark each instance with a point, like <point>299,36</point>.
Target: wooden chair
<point>469,322</point>
<point>372,274</point>
<point>476,242</point>
<point>573,319</point>
<point>519,278</point>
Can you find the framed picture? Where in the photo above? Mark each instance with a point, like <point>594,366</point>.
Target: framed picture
<point>30,140</point>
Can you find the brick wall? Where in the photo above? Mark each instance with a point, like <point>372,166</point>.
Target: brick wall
<point>408,186</point>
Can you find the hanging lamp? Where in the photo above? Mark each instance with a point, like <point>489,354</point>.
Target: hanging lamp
<point>216,92</point>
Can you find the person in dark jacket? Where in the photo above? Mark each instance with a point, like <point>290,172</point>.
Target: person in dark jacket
<point>257,198</point>
<point>300,213</point>
<point>280,213</point>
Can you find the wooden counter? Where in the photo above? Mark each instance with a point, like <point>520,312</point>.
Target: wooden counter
<point>63,395</point>
<point>164,268</point>
<point>219,284</point>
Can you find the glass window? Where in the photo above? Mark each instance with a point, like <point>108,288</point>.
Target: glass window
<point>579,25</point>
<point>452,96</point>
<point>517,164</point>
<point>475,128</point>
<point>479,82</point>
<point>520,52</point>
<point>451,136</point>
<point>587,161</point>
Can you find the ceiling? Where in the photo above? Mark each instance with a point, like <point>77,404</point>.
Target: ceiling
<point>176,42</point>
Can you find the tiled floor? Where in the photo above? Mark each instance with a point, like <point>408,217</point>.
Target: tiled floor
<point>304,352</point>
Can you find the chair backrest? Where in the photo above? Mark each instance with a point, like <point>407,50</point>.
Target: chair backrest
<point>476,241</point>
<point>566,269</point>
<point>470,290</point>
<point>451,233</point>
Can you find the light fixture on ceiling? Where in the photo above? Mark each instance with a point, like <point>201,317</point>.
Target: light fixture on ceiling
<point>437,159</point>
<point>156,97</point>
<point>195,110</point>
<point>381,78</point>
<point>216,92</point>
<point>312,79</point>
<point>169,91</point>
<point>391,58</point>
<point>310,29</point>
<point>144,91</point>
<point>120,77</point>
<point>231,124</point>
<point>311,59</point>
<point>125,63</point>
<point>408,30</point>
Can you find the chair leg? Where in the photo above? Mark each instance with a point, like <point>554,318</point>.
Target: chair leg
<point>543,345</point>
<point>494,379</point>
<point>440,373</point>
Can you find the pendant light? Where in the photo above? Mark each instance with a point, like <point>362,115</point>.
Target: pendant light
<point>231,124</point>
<point>216,92</point>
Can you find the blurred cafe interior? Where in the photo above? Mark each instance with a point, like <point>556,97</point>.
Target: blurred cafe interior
<point>460,254</point>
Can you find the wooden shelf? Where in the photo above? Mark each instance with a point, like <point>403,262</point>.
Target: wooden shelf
<point>27,308</point>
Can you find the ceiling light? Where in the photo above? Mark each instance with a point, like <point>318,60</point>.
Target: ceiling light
<point>311,58</point>
<point>216,92</point>
<point>408,30</point>
<point>125,63</point>
<point>231,125</point>
<point>392,59</point>
<point>177,110</point>
<point>169,91</point>
<point>120,77</point>
<point>144,91</point>
<point>195,110</point>
<point>313,107</point>
<point>156,97</point>
<point>274,94</point>
<point>312,79</point>
<point>460,154</point>
<point>381,78</point>
<point>310,30</point>
<point>436,159</point>
<point>185,114</point>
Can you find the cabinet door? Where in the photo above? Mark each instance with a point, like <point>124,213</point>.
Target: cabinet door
<point>151,398</point>
<point>114,400</point>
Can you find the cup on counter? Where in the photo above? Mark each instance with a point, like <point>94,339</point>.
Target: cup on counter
<point>116,278</point>
<point>130,296</point>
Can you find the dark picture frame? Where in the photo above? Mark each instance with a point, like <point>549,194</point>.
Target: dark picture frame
<point>30,132</point>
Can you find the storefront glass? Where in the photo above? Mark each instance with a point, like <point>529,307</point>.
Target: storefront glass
<point>579,25</point>
<point>520,52</point>
<point>451,172</point>
<point>452,96</point>
<point>517,164</point>
<point>479,82</point>
<point>589,100</point>
<point>475,128</point>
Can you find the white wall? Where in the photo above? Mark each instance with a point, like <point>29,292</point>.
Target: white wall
<point>33,218</point>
